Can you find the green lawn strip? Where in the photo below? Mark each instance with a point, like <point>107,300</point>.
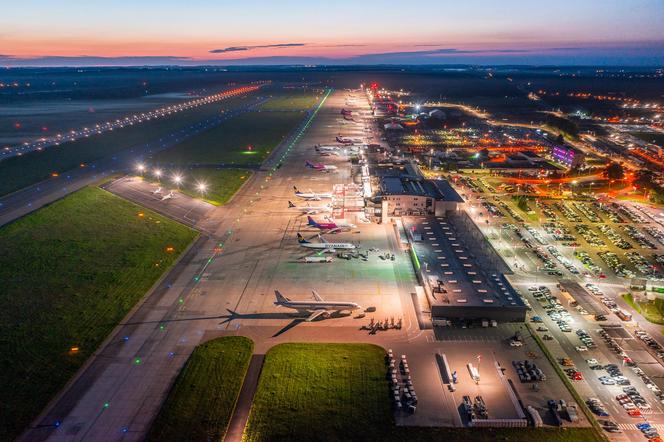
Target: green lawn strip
<point>245,140</point>
<point>599,434</point>
<point>201,402</point>
<point>320,392</point>
<point>219,184</point>
<point>70,272</point>
<point>296,101</point>
<point>651,310</point>
<point>21,171</point>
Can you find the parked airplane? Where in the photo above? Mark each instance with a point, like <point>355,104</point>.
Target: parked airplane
<point>316,308</point>
<point>320,166</point>
<point>168,196</point>
<point>345,140</point>
<point>311,195</point>
<point>341,223</point>
<point>324,245</point>
<point>310,210</point>
<point>330,225</point>
<point>328,148</point>
<point>157,190</point>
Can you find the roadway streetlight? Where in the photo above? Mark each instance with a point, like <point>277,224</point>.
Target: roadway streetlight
<point>157,173</point>
<point>202,187</point>
<point>177,179</point>
<point>141,168</point>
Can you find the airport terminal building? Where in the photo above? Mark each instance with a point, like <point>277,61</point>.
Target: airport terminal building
<point>402,190</point>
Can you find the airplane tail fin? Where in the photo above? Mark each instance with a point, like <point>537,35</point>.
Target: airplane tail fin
<point>311,222</point>
<point>308,164</point>
<point>295,189</point>
<point>290,205</point>
<point>280,298</point>
<point>300,239</point>
<point>318,297</point>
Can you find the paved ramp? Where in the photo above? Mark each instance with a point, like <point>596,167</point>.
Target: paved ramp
<point>244,401</point>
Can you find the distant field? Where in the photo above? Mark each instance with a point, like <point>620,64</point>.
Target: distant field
<point>244,141</point>
<point>316,392</point>
<point>301,101</point>
<point>70,272</point>
<point>650,137</point>
<point>19,172</point>
<point>202,400</point>
<point>220,184</point>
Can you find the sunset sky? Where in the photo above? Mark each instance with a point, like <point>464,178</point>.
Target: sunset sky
<point>336,32</point>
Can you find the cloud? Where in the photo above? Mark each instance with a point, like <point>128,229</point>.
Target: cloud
<point>340,46</point>
<point>249,48</point>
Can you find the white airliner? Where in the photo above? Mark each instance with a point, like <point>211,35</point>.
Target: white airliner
<point>310,210</point>
<point>323,245</point>
<point>329,148</point>
<point>157,190</point>
<point>343,224</point>
<point>311,195</point>
<point>168,196</point>
<point>316,308</point>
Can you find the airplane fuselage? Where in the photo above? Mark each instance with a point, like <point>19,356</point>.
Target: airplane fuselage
<point>325,305</point>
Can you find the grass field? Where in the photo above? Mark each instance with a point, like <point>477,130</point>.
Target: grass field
<point>653,311</point>
<point>650,137</point>
<point>297,101</point>
<point>220,184</point>
<point>19,172</point>
<point>332,392</point>
<point>202,400</point>
<point>70,272</point>
<point>244,141</point>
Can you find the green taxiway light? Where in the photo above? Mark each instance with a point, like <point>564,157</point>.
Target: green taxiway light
<point>137,361</point>
<point>106,404</point>
<point>180,300</point>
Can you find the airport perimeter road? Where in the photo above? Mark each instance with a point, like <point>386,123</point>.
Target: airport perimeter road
<point>24,201</point>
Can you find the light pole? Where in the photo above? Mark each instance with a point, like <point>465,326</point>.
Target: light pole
<point>177,179</point>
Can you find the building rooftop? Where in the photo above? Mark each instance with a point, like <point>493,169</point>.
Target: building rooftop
<point>408,180</point>
<point>442,252</point>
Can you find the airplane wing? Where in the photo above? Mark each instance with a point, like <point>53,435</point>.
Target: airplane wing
<point>322,239</point>
<point>317,296</point>
<point>315,314</point>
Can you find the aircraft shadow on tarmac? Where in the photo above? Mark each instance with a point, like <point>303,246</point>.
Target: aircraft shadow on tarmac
<point>296,318</point>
